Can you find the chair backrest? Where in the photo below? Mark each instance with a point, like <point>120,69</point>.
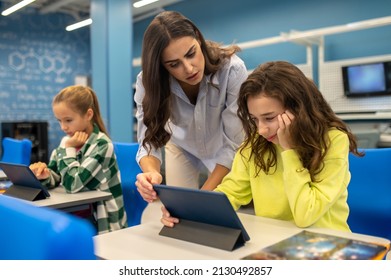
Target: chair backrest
<point>129,168</point>
<point>29,232</point>
<point>16,150</point>
<point>369,193</point>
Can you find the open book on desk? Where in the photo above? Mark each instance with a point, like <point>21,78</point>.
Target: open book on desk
<point>307,245</point>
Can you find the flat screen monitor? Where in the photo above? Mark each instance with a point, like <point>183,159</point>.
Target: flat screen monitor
<point>363,80</point>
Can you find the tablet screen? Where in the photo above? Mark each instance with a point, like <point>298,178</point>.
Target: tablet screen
<point>22,175</point>
<point>208,207</point>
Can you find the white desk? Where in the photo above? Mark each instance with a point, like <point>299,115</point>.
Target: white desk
<point>143,242</point>
<point>59,199</point>
<point>379,116</point>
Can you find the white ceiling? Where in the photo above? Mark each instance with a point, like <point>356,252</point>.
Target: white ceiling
<point>80,9</point>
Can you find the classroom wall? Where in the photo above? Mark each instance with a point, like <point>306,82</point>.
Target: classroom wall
<point>38,57</point>
<point>247,20</point>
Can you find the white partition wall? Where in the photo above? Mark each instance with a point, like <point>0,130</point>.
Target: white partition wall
<point>305,68</point>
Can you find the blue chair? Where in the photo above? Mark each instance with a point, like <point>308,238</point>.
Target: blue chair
<point>39,233</point>
<point>369,193</point>
<point>16,150</point>
<point>129,168</point>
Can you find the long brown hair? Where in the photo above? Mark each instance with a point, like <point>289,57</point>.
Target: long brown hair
<point>80,99</point>
<point>167,26</point>
<point>313,116</point>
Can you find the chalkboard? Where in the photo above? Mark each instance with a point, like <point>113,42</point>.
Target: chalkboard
<point>37,59</point>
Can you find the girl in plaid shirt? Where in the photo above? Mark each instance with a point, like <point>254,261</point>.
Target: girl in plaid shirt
<point>85,158</point>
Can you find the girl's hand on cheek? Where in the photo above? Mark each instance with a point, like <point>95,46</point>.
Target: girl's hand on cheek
<point>284,122</point>
<point>77,140</point>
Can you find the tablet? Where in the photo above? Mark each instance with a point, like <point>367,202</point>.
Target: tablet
<point>24,183</point>
<point>207,207</point>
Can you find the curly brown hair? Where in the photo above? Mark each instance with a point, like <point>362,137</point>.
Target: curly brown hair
<point>313,116</point>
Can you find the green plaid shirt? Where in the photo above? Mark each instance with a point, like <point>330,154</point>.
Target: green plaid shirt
<point>93,167</point>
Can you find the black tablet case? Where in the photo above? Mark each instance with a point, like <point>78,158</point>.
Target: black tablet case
<point>206,217</point>
<point>24,183</point>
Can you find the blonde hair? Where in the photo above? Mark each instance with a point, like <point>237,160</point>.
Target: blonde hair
<point>80,99</point>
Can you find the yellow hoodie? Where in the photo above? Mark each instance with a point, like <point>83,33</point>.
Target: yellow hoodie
<point>288,193</point>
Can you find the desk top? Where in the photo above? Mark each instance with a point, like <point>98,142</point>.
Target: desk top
<point>379,116</point>
<point>143,242</point>
<point>60,199</point>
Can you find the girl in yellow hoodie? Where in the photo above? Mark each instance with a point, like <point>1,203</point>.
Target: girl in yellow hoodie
<point>293,163</point>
